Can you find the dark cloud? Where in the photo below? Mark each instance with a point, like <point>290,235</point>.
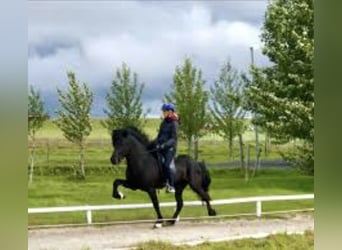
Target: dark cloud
<point>49,48</point>
<point>94,38</point>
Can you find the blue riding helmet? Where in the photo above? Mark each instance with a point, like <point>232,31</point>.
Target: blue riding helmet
<point>168,107</point>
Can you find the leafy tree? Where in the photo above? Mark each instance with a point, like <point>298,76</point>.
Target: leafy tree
<point>36,118</point>
<point>124,106</point>
<point>227,102</point>
<point>74,115</point>
<point>282,95</point>
<point>191,101</point>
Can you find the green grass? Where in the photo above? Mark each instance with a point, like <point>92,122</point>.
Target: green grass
<point>273,242</point>
<point>51,131</point>
<point>56,161</point>
<point>55,155</point>
<point>53,150</point>
<point>48,191</point>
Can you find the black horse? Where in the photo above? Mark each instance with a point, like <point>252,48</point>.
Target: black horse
<point>144,171</point>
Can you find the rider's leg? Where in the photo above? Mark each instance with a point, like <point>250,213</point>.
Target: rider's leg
<point>169,155</point>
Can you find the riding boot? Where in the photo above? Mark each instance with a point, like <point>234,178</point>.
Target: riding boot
<point>170,187</point>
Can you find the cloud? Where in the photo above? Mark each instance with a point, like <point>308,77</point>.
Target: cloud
<point>93,39</point>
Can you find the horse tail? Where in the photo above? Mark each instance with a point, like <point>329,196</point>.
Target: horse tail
<point>206,180</point>
<point>198,167</point>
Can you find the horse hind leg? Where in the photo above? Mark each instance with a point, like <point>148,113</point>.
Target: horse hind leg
<point>211,211</point>
<point>206,198</point>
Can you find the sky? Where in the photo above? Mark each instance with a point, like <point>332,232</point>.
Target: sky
<point>94,38</point>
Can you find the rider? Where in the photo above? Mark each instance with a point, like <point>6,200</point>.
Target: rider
<point>167,142</point>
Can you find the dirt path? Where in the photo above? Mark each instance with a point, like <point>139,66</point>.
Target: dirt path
<point>124,236</point>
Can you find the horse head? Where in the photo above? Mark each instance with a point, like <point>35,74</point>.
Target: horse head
<point>120,145</point>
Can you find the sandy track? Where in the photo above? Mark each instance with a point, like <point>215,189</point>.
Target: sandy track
<point>124,236</point>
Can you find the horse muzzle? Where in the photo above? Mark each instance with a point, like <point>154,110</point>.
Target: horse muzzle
<point>115,159</point>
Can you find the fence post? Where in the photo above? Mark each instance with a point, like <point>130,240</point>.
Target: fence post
<point>88,215</point>
<point>258,209</point>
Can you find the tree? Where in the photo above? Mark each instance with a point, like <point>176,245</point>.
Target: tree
<point>124,106</point>
<point>282,95</point>
<point>227,102</point>
<point>74,115</point>
<point>191,101</point>
<point>36,118</point>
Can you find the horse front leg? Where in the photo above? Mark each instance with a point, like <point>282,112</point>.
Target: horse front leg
<point>116,193</point>
<point>179,199</point>
<point>153,196</point>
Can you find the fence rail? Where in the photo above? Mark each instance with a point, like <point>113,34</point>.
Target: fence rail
<point>88,209</point>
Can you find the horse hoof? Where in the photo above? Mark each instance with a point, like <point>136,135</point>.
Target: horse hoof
<point>173,221</point>
<point>122,196</point>
<point>158,225</point>
<point>212,212</point>
<point>119,196</point>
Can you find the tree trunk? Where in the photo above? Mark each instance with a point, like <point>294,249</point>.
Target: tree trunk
<point>267,144</point>
<point>255,165</point>
<point>82,159</point>
<point>196,148</point>
<point>32,162</point>
<point>256,147</point>
<point>48,154</point>
<point>242,156</point>
<point>257,162</point>
<point>248,162</point>
<point>190,146</point>
<point>230,139</point>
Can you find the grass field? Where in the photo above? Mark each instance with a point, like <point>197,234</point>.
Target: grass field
<point>54,183</point>
<point>53,150</point>
<point>49,191</point>
<point>51,131</point>
<point>273,242</point>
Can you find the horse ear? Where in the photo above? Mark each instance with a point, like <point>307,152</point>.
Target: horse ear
<point>114,133</point>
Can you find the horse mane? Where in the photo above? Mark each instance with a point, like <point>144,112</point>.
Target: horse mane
<point>139,135</point>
